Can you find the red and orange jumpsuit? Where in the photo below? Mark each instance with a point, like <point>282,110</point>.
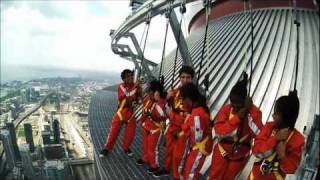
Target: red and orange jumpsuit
<point>235,136</point>
<point>198,132</point>
<point>153,125</point>
<point>146,105</point>
<point>175,143</point>
<point>264,149</point>
<point>124,115</point>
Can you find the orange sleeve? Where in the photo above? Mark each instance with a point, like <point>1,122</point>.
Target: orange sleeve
<point>291,161</point>
<point>264,144</point>
<point>225,126</point>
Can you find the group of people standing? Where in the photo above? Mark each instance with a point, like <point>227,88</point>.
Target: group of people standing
<point>182,117</point>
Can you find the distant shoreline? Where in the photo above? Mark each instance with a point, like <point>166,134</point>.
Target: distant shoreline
<point>26,73</point>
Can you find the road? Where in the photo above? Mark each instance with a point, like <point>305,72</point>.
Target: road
<point>77,145</point>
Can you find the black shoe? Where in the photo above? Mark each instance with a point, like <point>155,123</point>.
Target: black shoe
<point>152,170</point>
<point>129,153</point>
<point>103,152</point>
<point>140,162</point>
<point>161,172</point>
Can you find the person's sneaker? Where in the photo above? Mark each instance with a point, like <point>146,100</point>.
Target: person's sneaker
<point>152,170</point>
<point>140,162</point>
<point>103,152</point>
<point>161,172</point>
<point>129,153</point>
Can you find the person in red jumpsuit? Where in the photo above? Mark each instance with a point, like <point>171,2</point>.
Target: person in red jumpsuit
<point>175,142</point>
<point>154,125</point>
<point>235,127</point>
<point>153,121</point>
<point>196,129</point>
<point>128,93</point>
<point>146,106</point>
<point>278,147</point>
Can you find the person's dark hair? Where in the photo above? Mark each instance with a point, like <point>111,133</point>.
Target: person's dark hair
<point>187,70</point>
<point>240,88</point>
<point>155,85</point>
<point>191,91</point>
<point>125,72</point>
<point>288,107</point>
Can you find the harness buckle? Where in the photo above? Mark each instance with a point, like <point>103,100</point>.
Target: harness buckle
<point>266,167</point>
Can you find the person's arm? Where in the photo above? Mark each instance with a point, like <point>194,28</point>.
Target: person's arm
<point>264,143</point>
<point>225,127</point>
<point>290,161</point>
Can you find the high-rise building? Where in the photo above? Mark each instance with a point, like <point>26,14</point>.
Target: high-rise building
<point>54,151</point>
<point>12,131</point>
<point>8,148</point>
<point>55,170</point>
<point>46,137</point>
<point>29,136</point>
<point>28,168</point>
<point>56,131</point>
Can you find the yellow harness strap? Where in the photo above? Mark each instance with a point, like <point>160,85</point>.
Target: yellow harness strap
<point>223,152</point>
<point>275,169</point>
<point>160,127</point>
<point>123,102</point>
<point>201,146</point>
<point>177,101</point>
<point>146,106</point>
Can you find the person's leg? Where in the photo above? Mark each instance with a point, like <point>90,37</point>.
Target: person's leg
<point>234,168</point>
<point>193,164</point>
<point>113,133</point>
<point>168,151</point>
<point>145,145</point>
<point>178,152</point>
<point>153,153</point>
<point>219,165</point>
<point>129,134</point>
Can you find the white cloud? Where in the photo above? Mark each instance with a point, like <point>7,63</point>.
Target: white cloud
<point>71,34</point>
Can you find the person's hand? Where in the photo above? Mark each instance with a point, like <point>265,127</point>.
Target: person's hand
<point>248,103</point>
<point>140,81</point>
<point>281,149</point>
<point>170,94</point>
<point>282,134</point>
<point>242,113</point>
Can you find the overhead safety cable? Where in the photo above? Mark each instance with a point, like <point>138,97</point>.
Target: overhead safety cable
<point>297,23</point>
<point>207,6</point>
<point>148,19</point>
<point>167,14</point>
<point>182,11</point>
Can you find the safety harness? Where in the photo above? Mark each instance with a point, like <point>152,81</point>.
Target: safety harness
<point>236,142</point>
<point>270,163</point>
<point>124,102</point>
